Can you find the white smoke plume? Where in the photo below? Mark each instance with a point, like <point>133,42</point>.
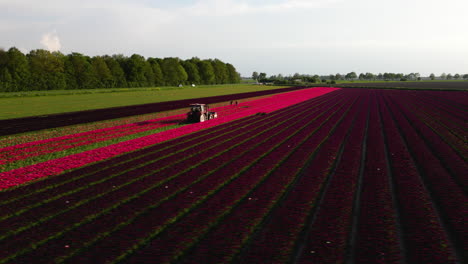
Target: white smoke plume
<point>51,41</point>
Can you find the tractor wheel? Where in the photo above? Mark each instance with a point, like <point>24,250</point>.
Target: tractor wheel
<point>202,118</point>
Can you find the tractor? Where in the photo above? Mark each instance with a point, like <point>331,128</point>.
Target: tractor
<point>200,113</point>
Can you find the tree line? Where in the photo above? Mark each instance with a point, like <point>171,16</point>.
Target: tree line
<point>44,70</point>
<point>351,76</point>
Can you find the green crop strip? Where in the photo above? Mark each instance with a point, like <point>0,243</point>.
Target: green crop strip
<point>75,150</point>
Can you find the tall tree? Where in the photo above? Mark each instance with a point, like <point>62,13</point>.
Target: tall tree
<point>456,76</point>
<point>262,76</point>
<point>234,76</point>
<point>255,76</point>
<point>134,71</point>
<point>432,76</point>
<point>220,71</point>
<point>103,73</point>
<point>6,82</point>
<point>18,67</point>
<point>351,76</point>
<point>206,72</point>
<point>193,76</point>
<point>80,73</point>
<point>174,73</point>
<point>449,76</point>
<point>118,75</point>
<point>158,74</point>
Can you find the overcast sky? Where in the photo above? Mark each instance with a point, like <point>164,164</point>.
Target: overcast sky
<point>272,36</point>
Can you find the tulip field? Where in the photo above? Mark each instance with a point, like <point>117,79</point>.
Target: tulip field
<point>319,175</point>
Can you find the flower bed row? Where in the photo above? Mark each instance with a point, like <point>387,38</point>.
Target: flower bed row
<point>280,170</point>
<point>51,226</point>
<point>43,147</point>
<point>278,236</point>
<point>200,190</point>
<point>425,238</point>
<point>455,164</point>
<point>348,177</point>
<point>326,233</point>
<point>445,118</point>
<point>107,178</point>
<point>93,174</point>
<point>441,186</point>
<point>377,239</point>
<point>451,135</point>
<point>8,179</point>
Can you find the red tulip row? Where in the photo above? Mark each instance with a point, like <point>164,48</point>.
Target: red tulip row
<point>432,134</point>
<point>118,195</point>
<point>326,223</point>
<point>377,235</point>
<point>275,242</point>
<point>446,118</point>
<point>424,237</point>
<point>448,196</point>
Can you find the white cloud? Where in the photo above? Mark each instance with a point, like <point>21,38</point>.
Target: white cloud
<point>51,41</point>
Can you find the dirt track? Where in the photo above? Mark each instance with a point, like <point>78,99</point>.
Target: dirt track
<point>27,124</point>
<point>411,85</point>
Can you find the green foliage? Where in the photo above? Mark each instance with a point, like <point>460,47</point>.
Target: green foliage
<point>220,71</point>
<point>157,72</point>
<point>206,71</point>
<point>174,73</point>
<point>80,73</point>
<point>192,72</point>
<point>44,70</point>
<point>47,70</point>
<point>233,75</point>
<point>118,75</point>
<point>18,68</point>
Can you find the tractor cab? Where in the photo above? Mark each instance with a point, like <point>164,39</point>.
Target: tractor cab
<point>200,113</point>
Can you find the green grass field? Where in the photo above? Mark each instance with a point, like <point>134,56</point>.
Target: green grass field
<point>13,105</point>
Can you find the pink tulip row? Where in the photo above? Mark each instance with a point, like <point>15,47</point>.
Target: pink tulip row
<point>56,166</point>
<point>151,196</point>
<point>42,147</point>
